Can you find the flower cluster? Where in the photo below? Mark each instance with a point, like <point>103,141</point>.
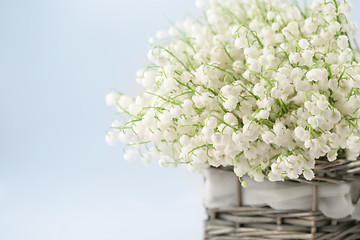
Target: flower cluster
<point>260,85</point>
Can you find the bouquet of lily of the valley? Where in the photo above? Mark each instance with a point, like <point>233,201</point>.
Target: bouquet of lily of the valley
<point>261,85</point>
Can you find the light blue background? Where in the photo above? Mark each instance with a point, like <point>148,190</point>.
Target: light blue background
<point>58,178</point>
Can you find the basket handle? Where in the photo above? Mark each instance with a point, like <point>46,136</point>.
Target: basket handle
<point>314,204</point>
<point>239,193</point>
<point>314,198</point>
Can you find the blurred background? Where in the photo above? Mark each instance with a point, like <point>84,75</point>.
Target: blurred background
<point>58,178</point>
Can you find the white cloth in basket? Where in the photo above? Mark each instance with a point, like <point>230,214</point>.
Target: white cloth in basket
<point>334,200</point>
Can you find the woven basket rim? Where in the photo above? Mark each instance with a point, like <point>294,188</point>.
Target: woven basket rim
<point>338,171</point>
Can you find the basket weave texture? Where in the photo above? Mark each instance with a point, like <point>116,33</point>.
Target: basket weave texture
<point>246,222</point>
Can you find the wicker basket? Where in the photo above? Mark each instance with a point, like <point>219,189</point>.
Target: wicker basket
<point>245,222</point>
